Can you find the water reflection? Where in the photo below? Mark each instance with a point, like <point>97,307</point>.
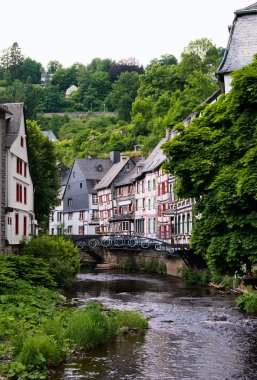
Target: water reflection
<point>193,334</point>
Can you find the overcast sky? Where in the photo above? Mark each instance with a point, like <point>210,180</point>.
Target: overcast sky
<point>79,30</point>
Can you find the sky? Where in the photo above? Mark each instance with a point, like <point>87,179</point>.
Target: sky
<point>72,31</point>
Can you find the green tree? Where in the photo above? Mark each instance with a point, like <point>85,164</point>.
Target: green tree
<point>11,61</point>
<point>30,71</point>
<point>214,159</point>
<point>44,172</point>
<point>53,66</point>
<point>124,92</point>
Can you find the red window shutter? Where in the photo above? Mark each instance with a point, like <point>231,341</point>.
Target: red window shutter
<point>20,193</point>
<point>16,224</point>
<point>17,192</point>
<point>25,169</point>
<point>25,195</point>
<point>25,226</point>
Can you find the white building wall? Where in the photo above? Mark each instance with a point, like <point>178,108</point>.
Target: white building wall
<point>25,211</point>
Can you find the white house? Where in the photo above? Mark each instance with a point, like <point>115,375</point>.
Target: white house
<point>70,90</point>
<point>19,218</point>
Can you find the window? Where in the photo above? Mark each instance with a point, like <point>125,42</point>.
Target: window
<point>24,226</point>
<point>81,215</point>
<point>70,202</point>
<point>74,174</point>
<point>52,216</point>
<point>59,231</point>
<point>16,224</point>
<point>80,185</point>
<point>125,226</point>
<point>95,215</point>
<point>52,231</point>
<point>19,193</point>
<point>136,204</point>
<point>69,229</point>
<point>94,199</point>
<point>143,203</point>
<point>19,165</point>
<point>149,204</point>
<point>25,195</point>
<point>137,187</point>
<point>154,225</point>
<point>149,226</point>
<point>143,186</point>
<point>154,184</point>
<point>149,185</point>
<point>81,230</point>
<point>22,142</point>
<point>59,216</point>
<point>68,187</point>
<point>154,202</point>
<point>70,214</point>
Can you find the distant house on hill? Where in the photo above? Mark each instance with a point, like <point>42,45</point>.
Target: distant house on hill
<point>70,90</point>
<point>242,45</point>
<point>46,79</point>
<point>50,135</point>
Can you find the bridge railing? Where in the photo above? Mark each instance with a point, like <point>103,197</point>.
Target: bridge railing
<point>128,242</point>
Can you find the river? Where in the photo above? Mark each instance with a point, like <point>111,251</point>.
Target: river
<point>193,334</point>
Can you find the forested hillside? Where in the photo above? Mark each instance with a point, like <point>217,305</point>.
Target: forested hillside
<point>145,99</point>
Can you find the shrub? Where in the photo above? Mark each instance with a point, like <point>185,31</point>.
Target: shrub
<point>88,327</point>
<point>61,255</point>
<point>129,319</point>
<point>248,302</point>
<point>153,266</point>
<point>38,353</point>
<point>195,278</point>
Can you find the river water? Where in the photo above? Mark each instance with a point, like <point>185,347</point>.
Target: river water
<point>193,334</point>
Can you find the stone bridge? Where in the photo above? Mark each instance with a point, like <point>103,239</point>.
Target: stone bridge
<point>98,247</point>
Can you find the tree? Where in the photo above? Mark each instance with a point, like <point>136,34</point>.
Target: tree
<point>124,92</point>
<point>44,172</point>
<point>31,70</point>
<point>12,60</point>
<point>165,60</point>
<point>53,66</point>
<point>130,65</point>
<point>215,161</point>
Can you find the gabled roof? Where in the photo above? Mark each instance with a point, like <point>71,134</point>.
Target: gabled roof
<point>13,129</point>
<point>242,43</point>
<point>50,135</point>
<point>130,177</point>
<point>156,158</point>
<point>112,174</point>
<point>94,168</point>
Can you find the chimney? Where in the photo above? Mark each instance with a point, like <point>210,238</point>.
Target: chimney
<point>90,156</point>
<point>115,156</point>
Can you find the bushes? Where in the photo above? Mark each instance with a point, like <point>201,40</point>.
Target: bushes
<point>60,254</point>
<point>148,266</point>
<point>195,278</point>
<point>248,302</point>
<point>80,330</point>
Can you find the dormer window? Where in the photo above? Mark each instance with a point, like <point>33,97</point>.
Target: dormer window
<point>100,168</point>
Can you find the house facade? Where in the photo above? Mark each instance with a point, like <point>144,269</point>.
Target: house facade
<point>114,216</point>
<point>80,200</point>
<point>19,205</point>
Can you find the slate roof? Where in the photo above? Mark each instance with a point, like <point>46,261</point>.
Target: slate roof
<point>14,124</point>
<point>50,135</point>
<point>4,109</point>
<point>112,174</point>
<point>133,174</point>
<point>242,43</point>
<point>94,168</point>
<point>156,158</point>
